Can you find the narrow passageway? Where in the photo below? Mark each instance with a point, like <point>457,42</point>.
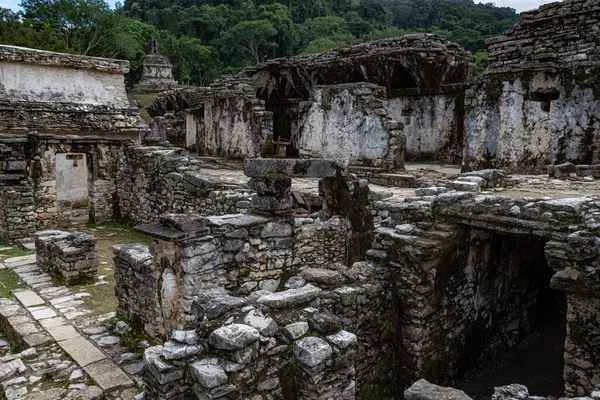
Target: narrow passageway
<point>537,362</point>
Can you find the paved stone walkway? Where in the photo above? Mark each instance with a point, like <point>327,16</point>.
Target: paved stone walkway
<point>46,314</point>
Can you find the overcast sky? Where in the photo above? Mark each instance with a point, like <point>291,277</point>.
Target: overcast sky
<point>519,5</point>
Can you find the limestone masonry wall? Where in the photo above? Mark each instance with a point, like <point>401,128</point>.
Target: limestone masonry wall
<point>72,258</point>
<point>28,180</point>
<point>159,180</point>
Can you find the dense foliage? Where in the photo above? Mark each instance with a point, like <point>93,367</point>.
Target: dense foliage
<point>205,38</point>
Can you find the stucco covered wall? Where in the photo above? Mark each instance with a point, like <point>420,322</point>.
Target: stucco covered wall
<point>341,122</point>
<point>506,126</point>
<point>433,125</point>
<point>43,83</point>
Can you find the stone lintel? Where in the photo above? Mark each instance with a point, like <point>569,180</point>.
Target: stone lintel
<point>297,168</point>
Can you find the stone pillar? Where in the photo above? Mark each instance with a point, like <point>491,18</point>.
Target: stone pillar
<point>576,261</point>
<point>350,199</point>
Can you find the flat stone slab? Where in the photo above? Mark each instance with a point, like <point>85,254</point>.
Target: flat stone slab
<point>82,351</point>
<point>63,332</point>
<point>53,322</point>
<point>108,376</point>
<point>29,298</point>
<point>43,313</point>
<point>23,260</point>
<point>290,297</point>
<point>294,167</point>
<point>425,390</point>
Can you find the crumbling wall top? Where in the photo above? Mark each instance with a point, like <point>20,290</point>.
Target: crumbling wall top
<point>556,35</point>
<point>42,57</point>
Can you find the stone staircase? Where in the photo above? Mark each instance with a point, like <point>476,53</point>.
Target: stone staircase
<point>46,317</point>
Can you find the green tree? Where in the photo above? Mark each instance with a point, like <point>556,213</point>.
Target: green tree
<point>251,36</point>
<point>81,24</point>
<point>18,32</point>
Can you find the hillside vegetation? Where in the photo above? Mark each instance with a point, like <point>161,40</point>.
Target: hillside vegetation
<point>204,38</point>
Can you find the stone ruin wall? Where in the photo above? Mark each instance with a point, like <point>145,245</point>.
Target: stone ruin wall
<point>158,180</point>
<point>314,96</point>
<point>537,103</point>
<point>351,120</point>
<point>56,93</point>
<point>28,179</point>
<point>225,120</point>
<point>319,298</point>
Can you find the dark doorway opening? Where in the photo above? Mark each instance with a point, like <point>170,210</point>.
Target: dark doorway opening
<point>537,360</point>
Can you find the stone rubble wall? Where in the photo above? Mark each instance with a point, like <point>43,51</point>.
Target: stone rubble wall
<point>273,345</point>
<point>72,258</point>
<point>320,243</point>
<point>28,191</point>
<point>556,35</point>
<point>159,180</point>
<point>241,253</point>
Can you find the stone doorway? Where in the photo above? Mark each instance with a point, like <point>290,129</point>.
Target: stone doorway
<point>516,273</point>
<point>72,186</point>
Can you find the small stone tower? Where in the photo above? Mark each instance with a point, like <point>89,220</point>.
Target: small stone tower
<point>155,73</point>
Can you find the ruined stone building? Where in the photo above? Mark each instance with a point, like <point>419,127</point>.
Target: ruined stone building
<point>377,290</point>
<point>155,73</point>
<point>538,102</point>
<point>374,103</point>
<point>64,123</point>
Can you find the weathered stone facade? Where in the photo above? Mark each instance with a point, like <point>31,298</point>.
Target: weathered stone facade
<point>51,92</point>
<point>64,123</point>
<point>158,180</point>
<point>72,258</point>
<point>371,90</point>
<point>538,102</point>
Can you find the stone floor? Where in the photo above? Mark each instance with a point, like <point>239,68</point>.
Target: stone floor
<point>57,351</point>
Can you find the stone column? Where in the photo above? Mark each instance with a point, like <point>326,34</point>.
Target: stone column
<point>577,261</point>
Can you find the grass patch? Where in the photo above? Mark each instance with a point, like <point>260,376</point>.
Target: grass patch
<point>14,252</point>
<point>9,281</point>
<point>102,299</point>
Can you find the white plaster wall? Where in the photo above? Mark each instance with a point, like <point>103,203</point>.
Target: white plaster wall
<point>228,129</point>
<point>71,182</point>
<point>337,126</point>
<point>43,83</point>
<point>191,129</point>
<point>429,124</point>
<point>513,132</point>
